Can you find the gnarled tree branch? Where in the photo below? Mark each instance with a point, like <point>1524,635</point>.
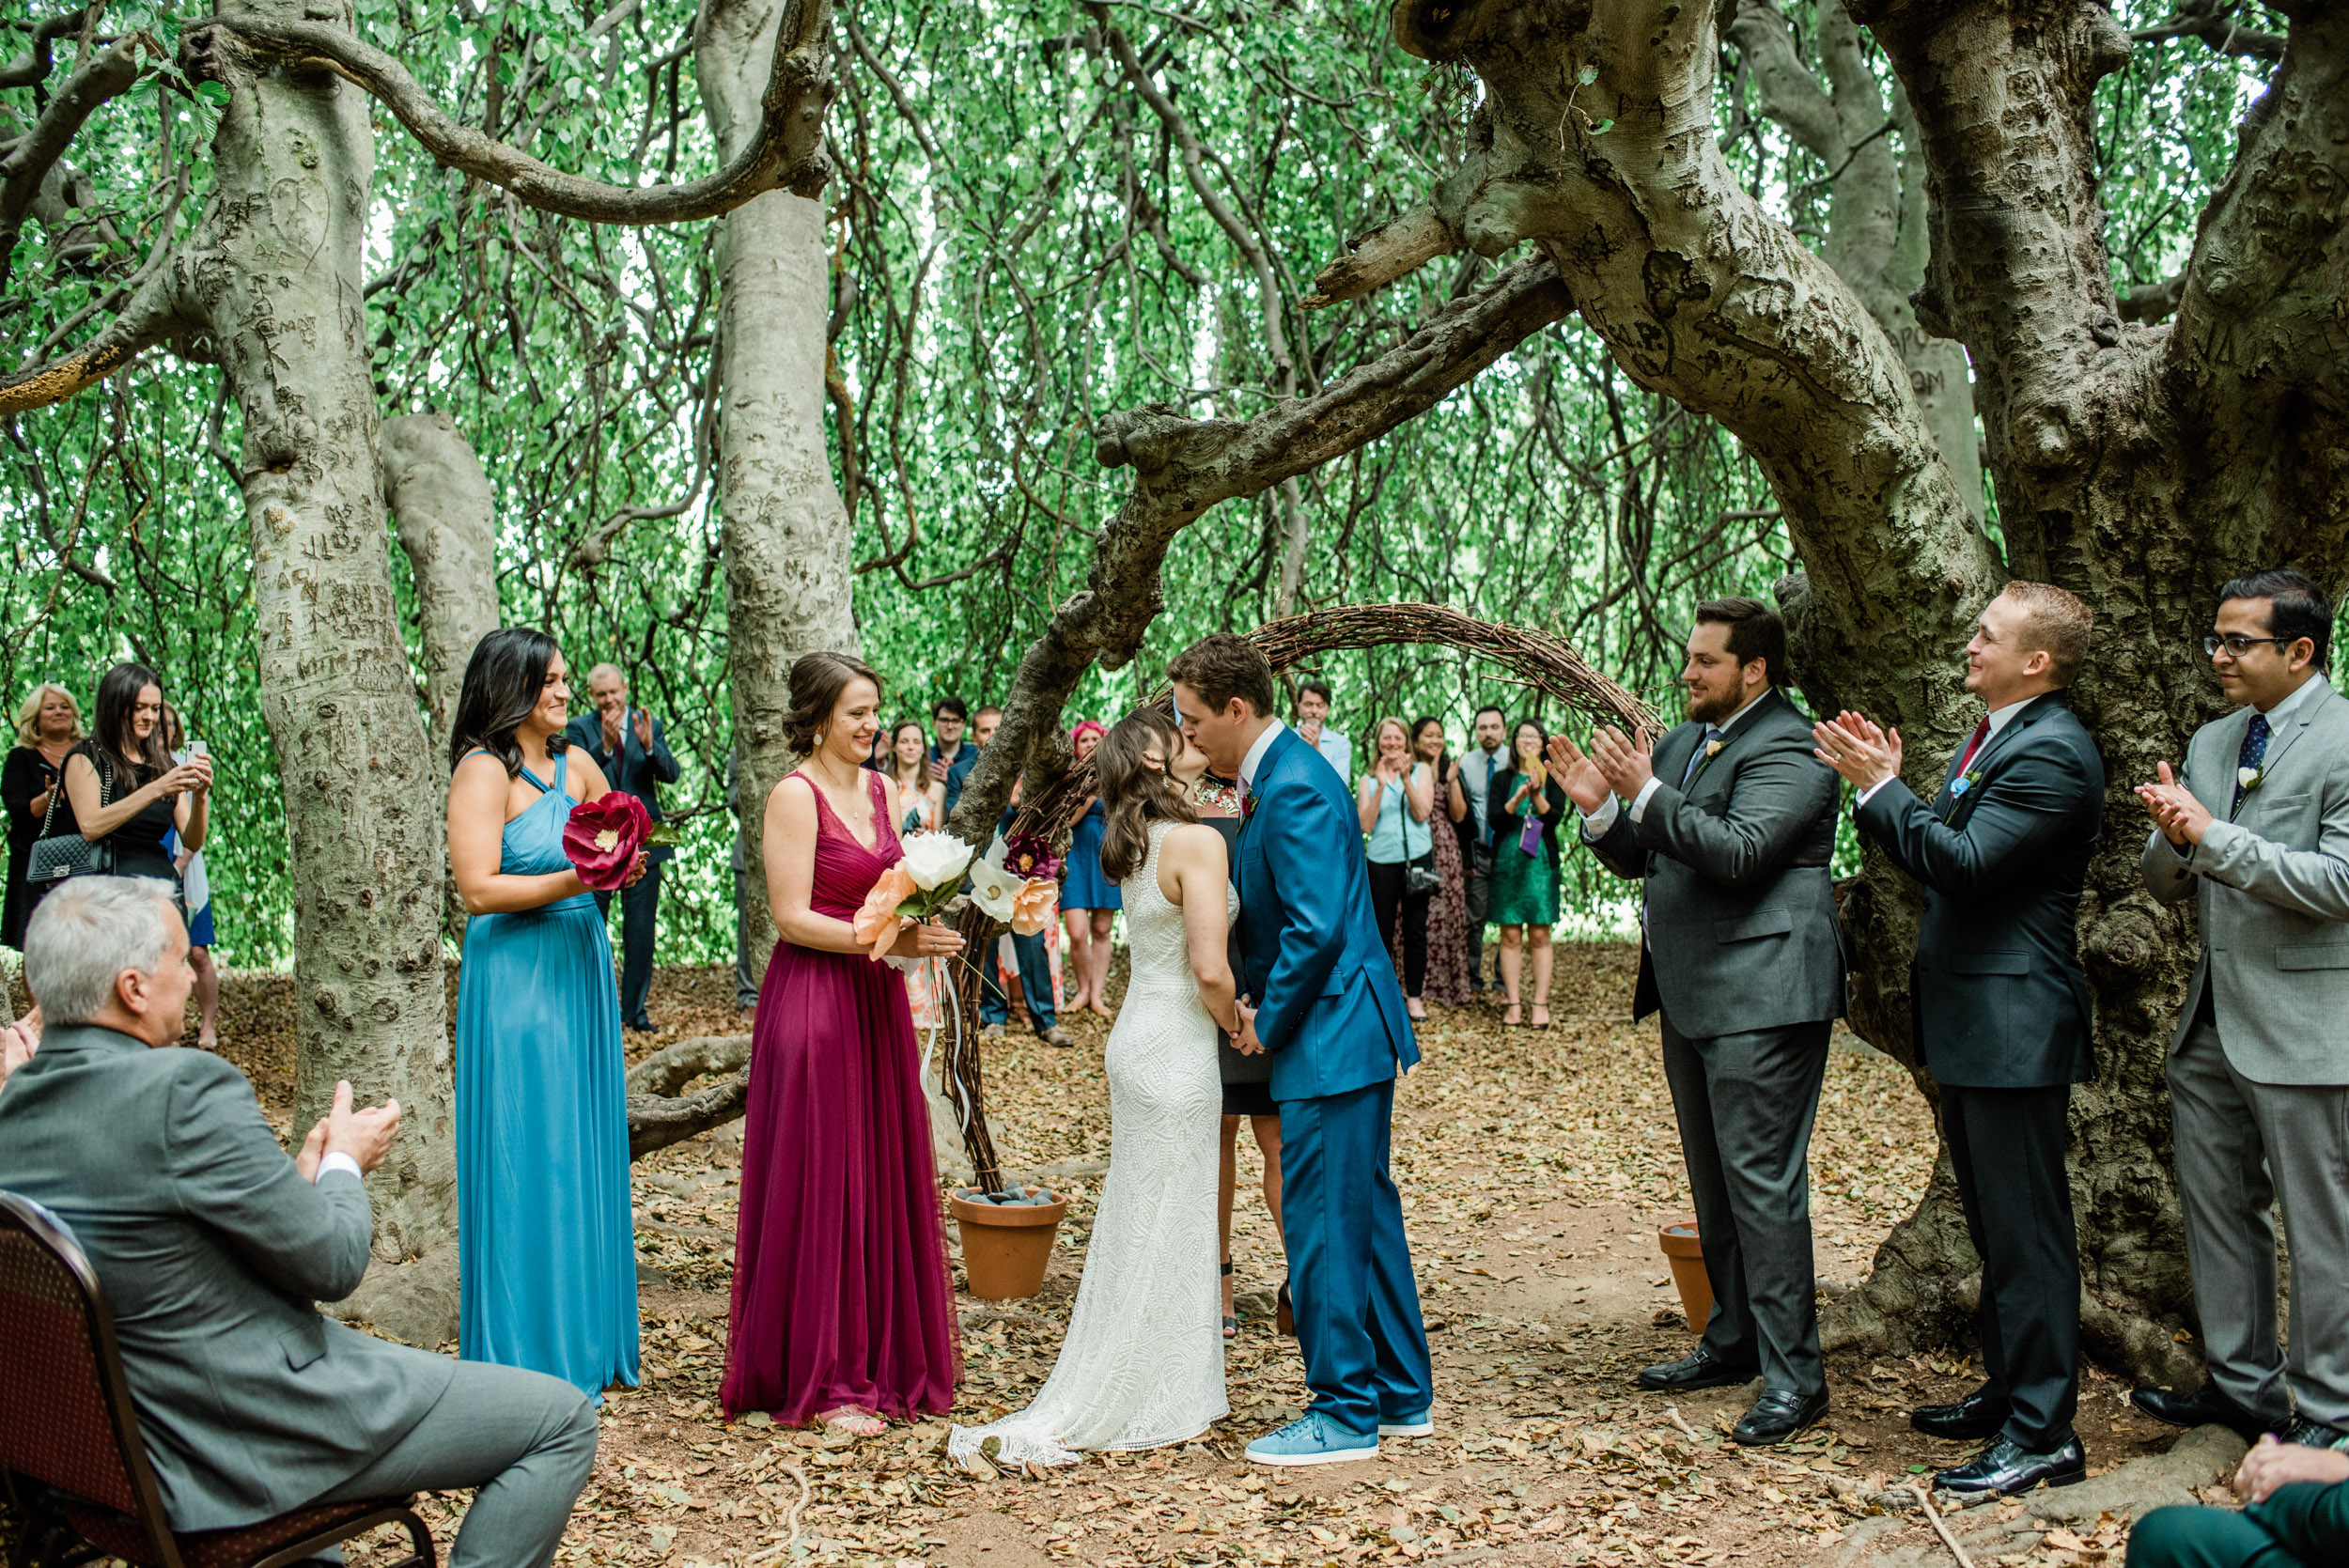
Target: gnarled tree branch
<point>107,76</point>
<point>2214,22</point>
<point>787,153</point>
<point>152,316</point>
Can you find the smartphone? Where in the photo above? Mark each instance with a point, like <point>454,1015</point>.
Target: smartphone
<point>197,747</point>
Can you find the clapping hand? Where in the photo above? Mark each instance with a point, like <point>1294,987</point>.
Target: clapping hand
<point>365,1135</point>
<point>1625,761</point>
<point>1855,746</point>
<point>644,729</point>
<point>2271,1464</point>
<point>2182,818</point>
<point>1577,774</point>
<point>18,1042</point>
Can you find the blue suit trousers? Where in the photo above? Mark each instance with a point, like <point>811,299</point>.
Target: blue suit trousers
<point>1356,1303</point>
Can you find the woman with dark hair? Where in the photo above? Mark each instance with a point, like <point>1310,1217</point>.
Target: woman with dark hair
<point>843,1308</point>
<point>121,787</point>
<point>47,726</point>
<point>1526,806</point>
<point>545,1247</point>
<point>1141,1365</point>
<point>1447,973</point>
<point>922,796</point>
<point>1088,898</point>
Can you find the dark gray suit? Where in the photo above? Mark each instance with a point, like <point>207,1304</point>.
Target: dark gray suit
<point>1743,956</point>
<point>2001,1014</point>
<point>634,770</point>
<point>2259,1083</point>
<point>212,1250</point>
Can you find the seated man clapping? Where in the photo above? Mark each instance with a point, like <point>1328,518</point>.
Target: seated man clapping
<point>2298,1516</point>
<point>213,1246</point>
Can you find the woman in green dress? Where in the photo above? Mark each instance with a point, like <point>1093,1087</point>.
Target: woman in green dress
<point>1526,806</point>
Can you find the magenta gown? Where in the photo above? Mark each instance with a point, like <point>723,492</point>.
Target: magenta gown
<point>841,1294</point>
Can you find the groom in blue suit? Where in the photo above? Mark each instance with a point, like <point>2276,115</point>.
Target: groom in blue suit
<point>1329,1012</point>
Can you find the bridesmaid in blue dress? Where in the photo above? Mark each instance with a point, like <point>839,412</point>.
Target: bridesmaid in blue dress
<point>546,1248</point>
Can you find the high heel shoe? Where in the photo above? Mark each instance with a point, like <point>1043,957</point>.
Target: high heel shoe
<point>1540,1018</point>
<point>1514,1017</point>
<point>1231,1324</point>
<point>1283,1314</point>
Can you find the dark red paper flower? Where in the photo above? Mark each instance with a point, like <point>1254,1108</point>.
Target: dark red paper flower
<point>602,838</point>
<point>1030,855</point>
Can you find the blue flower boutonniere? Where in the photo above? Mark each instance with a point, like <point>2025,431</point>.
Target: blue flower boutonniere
<point>1959,788</point>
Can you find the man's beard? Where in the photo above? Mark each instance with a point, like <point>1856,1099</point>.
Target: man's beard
<point>1712,710</point>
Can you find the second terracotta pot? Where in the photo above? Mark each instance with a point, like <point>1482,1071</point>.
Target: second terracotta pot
<point>1686,1257</point>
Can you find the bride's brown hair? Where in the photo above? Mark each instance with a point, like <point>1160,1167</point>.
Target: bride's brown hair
<point>1133,794</point>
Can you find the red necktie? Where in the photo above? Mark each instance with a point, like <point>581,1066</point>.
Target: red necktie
<point>1981,733</point>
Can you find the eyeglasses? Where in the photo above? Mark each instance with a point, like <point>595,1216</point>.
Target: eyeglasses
<point>2237,645</point>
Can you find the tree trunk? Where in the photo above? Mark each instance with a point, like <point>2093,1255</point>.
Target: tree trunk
<point>273,279</point>
<point>789,537</point>
<point>444,509</point>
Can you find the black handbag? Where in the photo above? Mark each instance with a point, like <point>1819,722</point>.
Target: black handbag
<point>53,860</point>
<point>1422,879</point>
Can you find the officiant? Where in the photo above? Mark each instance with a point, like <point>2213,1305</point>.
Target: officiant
<point>628,745</point>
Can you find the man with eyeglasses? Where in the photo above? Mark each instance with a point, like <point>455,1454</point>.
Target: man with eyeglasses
<point>2256,831</point>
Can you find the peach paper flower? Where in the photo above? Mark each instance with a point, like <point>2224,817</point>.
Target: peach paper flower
<point>878,923</point>
<point>1031,906</point>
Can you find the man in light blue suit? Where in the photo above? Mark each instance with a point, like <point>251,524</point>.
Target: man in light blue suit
<point>1329,1012</point>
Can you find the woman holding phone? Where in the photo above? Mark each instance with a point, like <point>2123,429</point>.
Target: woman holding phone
<point>122,788</point>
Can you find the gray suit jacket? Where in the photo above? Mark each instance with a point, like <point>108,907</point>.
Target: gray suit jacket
<point>212,1250</point>
<point>2272,890</point>
<point>1741,927</point>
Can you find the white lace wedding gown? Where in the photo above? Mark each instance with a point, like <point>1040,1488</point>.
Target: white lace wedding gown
<point>1143,1365</point>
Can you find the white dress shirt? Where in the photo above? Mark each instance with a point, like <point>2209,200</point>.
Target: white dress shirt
<point>1255,759</point>
<point>1596,823</point>
<point>338,1161</point>
<point>1477,771</point>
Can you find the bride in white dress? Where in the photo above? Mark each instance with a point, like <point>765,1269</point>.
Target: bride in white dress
<point>1143,1365</point>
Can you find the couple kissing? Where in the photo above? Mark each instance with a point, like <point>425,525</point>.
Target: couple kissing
<point>1142,1363</point>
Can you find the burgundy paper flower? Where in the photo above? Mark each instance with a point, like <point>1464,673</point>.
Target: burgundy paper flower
<point>1030,855</point>
<point>602,838</point>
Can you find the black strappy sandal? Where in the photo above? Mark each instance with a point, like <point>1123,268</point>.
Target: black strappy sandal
<point>1231,1324</point>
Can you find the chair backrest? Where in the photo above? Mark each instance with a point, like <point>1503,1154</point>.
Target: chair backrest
<point>66,1416</point>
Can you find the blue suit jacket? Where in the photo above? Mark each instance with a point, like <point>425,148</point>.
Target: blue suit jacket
<point>1331,1013</point>
<point>634,771</point>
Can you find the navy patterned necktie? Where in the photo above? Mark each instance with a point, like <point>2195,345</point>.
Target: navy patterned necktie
<point>1712,733</point>
<point>2252,755</point>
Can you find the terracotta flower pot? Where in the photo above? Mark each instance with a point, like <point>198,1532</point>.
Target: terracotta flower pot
<point>1005,1250</point>
<point>1681,1250</point>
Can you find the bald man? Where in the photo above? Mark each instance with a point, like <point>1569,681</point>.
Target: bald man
<point>626,744</point>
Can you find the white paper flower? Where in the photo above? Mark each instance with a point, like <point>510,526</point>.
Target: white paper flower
<point>935,860</point>
<point>992,889</point>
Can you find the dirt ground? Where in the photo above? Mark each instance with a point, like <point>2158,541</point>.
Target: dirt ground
<point>1536,1167</point>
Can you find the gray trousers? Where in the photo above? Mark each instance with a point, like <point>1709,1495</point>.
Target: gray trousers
<point>1746,1104</point>
<point>1478,895</point>
<point>526,1440</point>
<point>2242,1147</point>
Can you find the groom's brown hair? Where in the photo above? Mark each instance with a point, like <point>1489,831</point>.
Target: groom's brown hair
<point>1225,665</point>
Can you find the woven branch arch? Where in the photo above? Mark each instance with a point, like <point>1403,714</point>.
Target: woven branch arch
<point>1547,663</point>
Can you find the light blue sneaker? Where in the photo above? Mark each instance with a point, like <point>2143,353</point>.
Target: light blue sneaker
<point>1312,1439</point>
<point>1420,1425</point>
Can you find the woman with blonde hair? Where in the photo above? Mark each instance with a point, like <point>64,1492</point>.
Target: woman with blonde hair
<point>1396,798</point>
<point>1089,899</point>
<point>48,724</point>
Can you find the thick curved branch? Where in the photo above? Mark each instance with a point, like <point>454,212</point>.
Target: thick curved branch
<point>658,1116</point>
<point>786,154</point>
<point>2214,22</point>
<point>109,75</point>
<point>151,318</point>
<point>33,67</point>
<point>1399,246</point>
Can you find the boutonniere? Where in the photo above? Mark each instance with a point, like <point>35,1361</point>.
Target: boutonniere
<point>1247,806</point>
<point>2250,779</point>
<point>1712,750</point>
<point>1959,787</point>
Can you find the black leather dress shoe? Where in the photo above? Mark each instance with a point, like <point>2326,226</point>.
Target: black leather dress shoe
<point>1699,1369</point>
<point>2316,1434</point>
<point>1778,1415</point>
<point>1980,1413</point>
<point>2208,1405</point>
<point>2006,1466</point>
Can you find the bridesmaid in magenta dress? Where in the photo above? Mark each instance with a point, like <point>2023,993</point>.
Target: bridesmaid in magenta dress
<point>842,1306</point>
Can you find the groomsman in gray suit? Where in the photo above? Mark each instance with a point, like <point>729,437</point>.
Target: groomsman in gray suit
<point>1730,825</point>
<point>213,1246</point>
<point>2000,1010</point>
<point>2258,834</point>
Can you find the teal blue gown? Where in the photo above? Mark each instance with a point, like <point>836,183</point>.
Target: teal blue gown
<point>546,1247</point>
